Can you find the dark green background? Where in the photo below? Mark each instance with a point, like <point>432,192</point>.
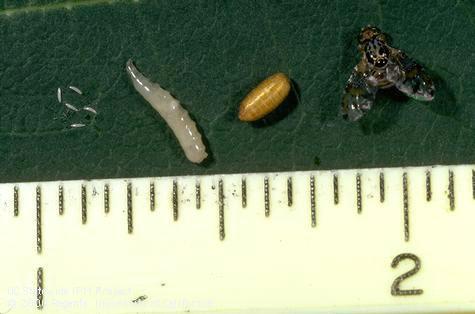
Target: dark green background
<point>209,54</point>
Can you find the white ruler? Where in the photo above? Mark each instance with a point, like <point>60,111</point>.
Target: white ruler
<point>297,242</point>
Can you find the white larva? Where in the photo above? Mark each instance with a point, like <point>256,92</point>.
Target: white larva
<point>69,106</point>
<point>172,112</point>
<point>74,88</point>
<point>59,95</point>
<point>77,125</point>
<point>90,109</point>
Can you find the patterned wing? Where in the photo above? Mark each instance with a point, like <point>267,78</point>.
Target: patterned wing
<point>358,97</point>
<point>414,82</point>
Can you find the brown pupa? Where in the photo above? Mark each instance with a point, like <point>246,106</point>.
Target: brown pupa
<point>265,97</point>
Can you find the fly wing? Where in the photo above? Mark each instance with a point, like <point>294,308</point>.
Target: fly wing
<point>358,97</point>
<point>414,82</point>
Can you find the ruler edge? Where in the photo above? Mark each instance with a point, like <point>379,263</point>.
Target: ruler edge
<point>218,175</point>
<point>442,308</point>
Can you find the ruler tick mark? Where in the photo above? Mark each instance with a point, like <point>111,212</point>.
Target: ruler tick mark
<point>358,193</point>
<point>175,200</point>
<point>451,190</point>
<point>39,288</point>
<point>222,233</point>
<point>106,198</point>
<point>83,204</point>
<point>198,194</point>
<point>60,199</point>
<point>266,196</point>
<point>428,186</point>
<point>381,187</point>
<point>243,192</point>
<point>335,189</point>
<point>152,196</point>
<point>313,210</point>
<point>289,192</point>
<point>405,194</point>
<point>39,244</point>
<point>473,184</point>
<point>15,201</point>
<point>130,226</point>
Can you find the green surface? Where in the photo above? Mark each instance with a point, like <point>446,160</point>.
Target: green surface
<point>209,54</point>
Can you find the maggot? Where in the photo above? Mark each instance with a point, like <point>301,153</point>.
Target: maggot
<point>265,97</point>
<point>172,112</point>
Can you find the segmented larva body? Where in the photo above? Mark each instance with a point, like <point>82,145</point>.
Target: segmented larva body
<point>172,112</point>
<point>264,98</point>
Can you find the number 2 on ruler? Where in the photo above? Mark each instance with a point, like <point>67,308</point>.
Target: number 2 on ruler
<point>395,290</point>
